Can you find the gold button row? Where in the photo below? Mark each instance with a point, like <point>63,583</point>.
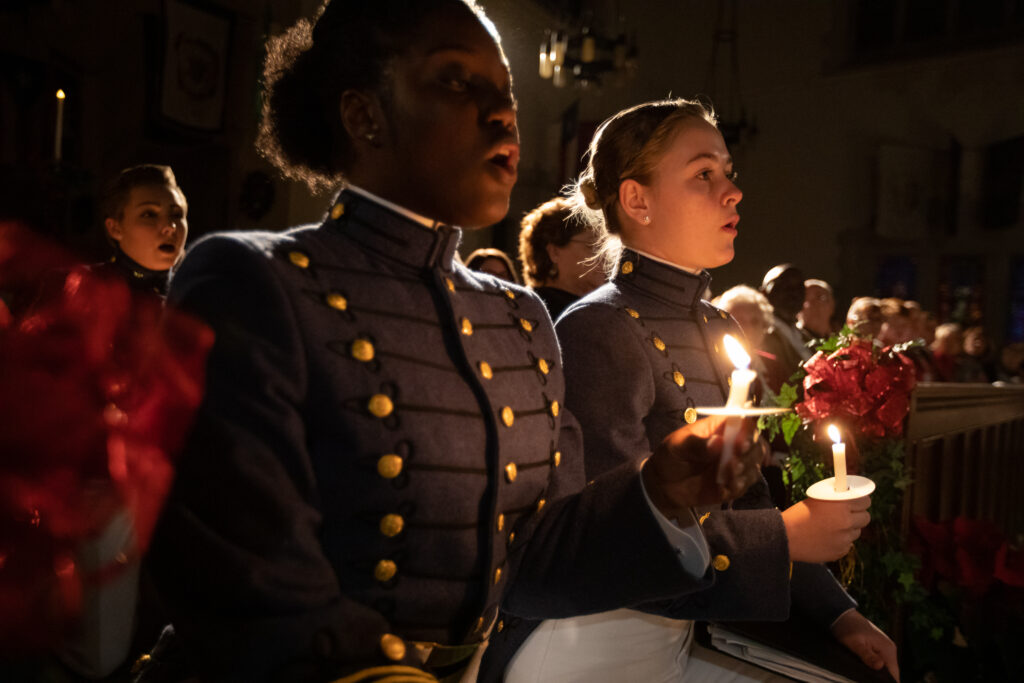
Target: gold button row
<point>389,466</point>
<point>380,405</point>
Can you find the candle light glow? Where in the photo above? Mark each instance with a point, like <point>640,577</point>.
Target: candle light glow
<point>838,459</point>
<point>742,377</point>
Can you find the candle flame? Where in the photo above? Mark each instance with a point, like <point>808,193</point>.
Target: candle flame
<point>60,94</point>
<point>737,354</point>
<point>833,433</point>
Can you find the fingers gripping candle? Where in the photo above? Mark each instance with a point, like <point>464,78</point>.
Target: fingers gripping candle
<point>742,377</point>
<point>838,459</point>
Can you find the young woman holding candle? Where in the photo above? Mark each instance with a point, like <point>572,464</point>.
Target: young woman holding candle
<point>641,354</point>
<point>381,458</point>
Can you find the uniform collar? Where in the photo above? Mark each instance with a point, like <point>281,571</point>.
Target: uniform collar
<point>392,232</point>
<point>138,276</point>
<point>661,279</point>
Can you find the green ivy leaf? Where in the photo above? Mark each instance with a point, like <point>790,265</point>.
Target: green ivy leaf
<point>787,396</point>
<point>790,426</point>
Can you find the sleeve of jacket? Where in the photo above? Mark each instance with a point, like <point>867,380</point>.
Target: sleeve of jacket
<point>237,556</point>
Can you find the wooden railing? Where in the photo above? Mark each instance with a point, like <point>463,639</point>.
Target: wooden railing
<point>965,451</point>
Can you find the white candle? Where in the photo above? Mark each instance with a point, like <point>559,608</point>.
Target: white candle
<point>838,459</point>
<point>547,66</point>
<point>559,76</point>
<point>58,133</point>
<point>742,377</point>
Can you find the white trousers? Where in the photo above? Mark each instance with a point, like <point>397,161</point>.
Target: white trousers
<point>624,646</point>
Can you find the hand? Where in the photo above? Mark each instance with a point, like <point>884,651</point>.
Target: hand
<point>824,530</point>
<point>867,641</point>
<point>683,470</point>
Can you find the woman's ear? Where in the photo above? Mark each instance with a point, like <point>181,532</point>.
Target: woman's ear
<point>362,116</point>
<point>113,228</point>
<point>633,200</point>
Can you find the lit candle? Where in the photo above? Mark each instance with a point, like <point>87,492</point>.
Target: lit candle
<point>58,133</point>
<point>559,45</point>
<point>588,51</point>
<point>742,377</point>
<point>838,459</point>
<point>546,64</point>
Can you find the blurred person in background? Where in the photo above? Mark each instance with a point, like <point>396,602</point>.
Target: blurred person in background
<point>815,317</point>
<point>493,262</point>
<point>557,251</point>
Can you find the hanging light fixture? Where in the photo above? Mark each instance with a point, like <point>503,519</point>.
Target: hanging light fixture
<point>586,57</point>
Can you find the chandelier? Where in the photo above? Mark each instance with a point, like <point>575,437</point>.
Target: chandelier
<point>585,57</point>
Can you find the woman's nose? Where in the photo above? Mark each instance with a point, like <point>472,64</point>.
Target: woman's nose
<point>733,195</point>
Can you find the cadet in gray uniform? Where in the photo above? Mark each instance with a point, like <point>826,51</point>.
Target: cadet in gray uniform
<point>382,456</point>
<point>644,351</point>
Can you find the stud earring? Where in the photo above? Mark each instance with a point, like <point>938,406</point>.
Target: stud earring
<point>646,220</point>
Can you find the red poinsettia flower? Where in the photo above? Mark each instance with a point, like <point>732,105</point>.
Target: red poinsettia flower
<point>99,391</point>
<point>872,392</point>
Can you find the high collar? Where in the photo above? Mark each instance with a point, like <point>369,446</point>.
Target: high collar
<point>137,276</point>
<point>391,234</point>
<point>661,280</point>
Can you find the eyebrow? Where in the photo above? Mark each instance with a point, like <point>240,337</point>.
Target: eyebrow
<point>708,155</point>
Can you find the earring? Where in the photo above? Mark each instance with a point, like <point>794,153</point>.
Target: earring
<point>646,220</point>
<point>371,135</point>
<point>553,272</point>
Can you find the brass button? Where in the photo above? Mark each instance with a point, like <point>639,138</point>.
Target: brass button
<point>554,408</point>
<point>678,378</point>
<point>511,472</point>
<point>542,365</point>
<point>658,344</point>
<point>510,294</point>
<point>704,518</point>
<point>507,416</point>
<point>335,300</point>
<point>389,466</point>
<point>540,504</point>
<point>632,313</point>
<point>627,267</point>
<point>385,570</point>
<point>690,415</point>
<point>337,211</point>
<point>526,324</point>
<point>467,327</point>
<point>705,318</point>
<point>556,458</point>
<point>511,537</point>
<point>501,522</point>
<point>380,405</point>
<point>720,563</point>
<point>479,623</point>
<point>497,575</point>
<point>485,370</point>
<point>451,285</point>
<point>298,259</point>
<point>362,350</point>
<point>391,525</point>
<point>393,647</point>
<point>501,626</point>
<point>723,314</point>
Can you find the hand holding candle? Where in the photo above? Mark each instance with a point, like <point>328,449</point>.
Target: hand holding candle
<point>742,377</point>
<point>838,459</point>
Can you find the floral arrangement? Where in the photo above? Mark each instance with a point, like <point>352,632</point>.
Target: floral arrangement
<point>865,390</point>
<point>100,388</point>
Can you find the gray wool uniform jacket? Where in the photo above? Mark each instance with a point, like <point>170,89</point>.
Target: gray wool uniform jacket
<point>641,354</point>
<point>382,457</point>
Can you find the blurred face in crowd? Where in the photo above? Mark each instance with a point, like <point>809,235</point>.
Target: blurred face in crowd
<point>496,267</point>
<point>948,340</point>
<point>691,201</point>
<point>865,317</point>
<point>152,227</point>
<point>896,329</point>
<point>818,307</point>
<point>577,271</point>
<point>975,342</point>
<point>786,293</point>
<point>751,320</point>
